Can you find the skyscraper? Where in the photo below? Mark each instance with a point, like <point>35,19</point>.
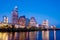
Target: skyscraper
<point>22,21</point>
<point>15,15</point>
<point>32,22</point>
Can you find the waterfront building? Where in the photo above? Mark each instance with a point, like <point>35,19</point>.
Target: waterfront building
<point>22,22</point>
<point>32,23</point>
<point>53,27</point>
<point>45,34</point>
<point>5,19</point>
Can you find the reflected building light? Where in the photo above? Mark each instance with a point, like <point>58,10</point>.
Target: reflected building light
<point>54,33</point>
<point>3,36</point>
<point>37,33</point>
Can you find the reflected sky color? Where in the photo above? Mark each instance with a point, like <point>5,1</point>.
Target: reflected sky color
<point>40,9</point>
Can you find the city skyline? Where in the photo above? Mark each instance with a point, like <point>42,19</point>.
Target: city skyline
<point>40,11</point>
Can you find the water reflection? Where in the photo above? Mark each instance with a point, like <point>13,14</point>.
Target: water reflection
<point>3,36</point>
<point>18,36</point>
<point>58,35</point>
<point>37,35</point>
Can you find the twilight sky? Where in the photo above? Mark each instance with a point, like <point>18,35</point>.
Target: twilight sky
<point>40,9</point>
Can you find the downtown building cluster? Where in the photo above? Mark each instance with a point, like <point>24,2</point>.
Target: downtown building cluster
<point>22,22</point>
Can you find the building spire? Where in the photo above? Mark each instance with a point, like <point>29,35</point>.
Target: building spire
<point>16,7</point>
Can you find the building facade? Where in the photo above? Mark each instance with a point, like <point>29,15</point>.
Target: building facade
<point>5,19</point>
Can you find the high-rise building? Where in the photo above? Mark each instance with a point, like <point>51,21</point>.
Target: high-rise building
<point>45,34</point>
<point>22,21</point>
<point>15,15</point>
<point>5,19</point>
<point>45,23</point>
<point>32,22</point>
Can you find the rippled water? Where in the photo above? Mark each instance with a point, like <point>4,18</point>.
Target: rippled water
<point>27,35</point>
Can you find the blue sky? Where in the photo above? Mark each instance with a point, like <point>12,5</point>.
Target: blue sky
<point>40,9</point>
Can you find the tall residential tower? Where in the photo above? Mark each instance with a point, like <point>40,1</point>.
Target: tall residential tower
<point>15,15</point>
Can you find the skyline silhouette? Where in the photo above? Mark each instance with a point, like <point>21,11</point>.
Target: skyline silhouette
<point>40,9</point>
